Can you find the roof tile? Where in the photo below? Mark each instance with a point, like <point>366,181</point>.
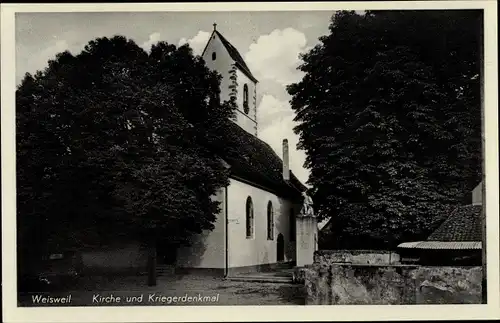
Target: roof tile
<point>255,161</point>
<point>463,224</point>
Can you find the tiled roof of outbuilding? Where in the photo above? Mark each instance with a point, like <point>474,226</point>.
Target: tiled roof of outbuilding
<point>439,245</point>
<point>463,224</point>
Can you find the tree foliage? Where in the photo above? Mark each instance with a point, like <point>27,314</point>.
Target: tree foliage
<point>112,142</point>
<point>389,117</point>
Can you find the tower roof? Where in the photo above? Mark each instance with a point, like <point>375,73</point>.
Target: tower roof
<point>235,55</point>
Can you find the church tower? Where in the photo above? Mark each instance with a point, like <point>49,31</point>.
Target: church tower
<point>237,80</point>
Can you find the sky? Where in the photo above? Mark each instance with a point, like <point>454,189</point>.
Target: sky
<point>270,43</point>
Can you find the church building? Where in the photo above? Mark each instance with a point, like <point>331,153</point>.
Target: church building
<point>259,225</point>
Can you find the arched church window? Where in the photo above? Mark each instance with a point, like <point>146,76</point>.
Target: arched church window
<point>270,221</point>
<point>214,56</point>
<point>292,225</point>
<point>245,98</point>
<point>249,217</point>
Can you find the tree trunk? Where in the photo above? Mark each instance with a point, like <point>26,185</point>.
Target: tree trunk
<point>151,263</point>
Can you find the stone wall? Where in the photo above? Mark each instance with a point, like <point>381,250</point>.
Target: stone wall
<point>328,282</point>
<point>448,285</point>
<point>117,258</point>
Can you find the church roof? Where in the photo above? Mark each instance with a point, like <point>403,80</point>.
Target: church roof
<point>254,161</point>
<point>235,55</point>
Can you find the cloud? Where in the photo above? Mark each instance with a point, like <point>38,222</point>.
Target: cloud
<point>272,110</point>
<point>276,123</point>
<point>197,43</point>
<point>306,25</point>
<point>153,39</point>
<point>275,56</point>
<point>274,59</point>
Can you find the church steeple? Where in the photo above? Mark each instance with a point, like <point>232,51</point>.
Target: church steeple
<point>237,83</point>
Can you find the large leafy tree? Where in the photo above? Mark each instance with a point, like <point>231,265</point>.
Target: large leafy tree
<point>389,117</point>
<point>113,142</point>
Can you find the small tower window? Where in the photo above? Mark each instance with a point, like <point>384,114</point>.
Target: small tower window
<point>214,56</point>
<point>292,225</point>
<point>249,218</point>
<point>270,221</point>
<point>245,98</point>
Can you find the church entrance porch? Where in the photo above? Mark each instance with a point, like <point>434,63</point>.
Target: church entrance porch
<point>274,273</point>
<point>282,275</point>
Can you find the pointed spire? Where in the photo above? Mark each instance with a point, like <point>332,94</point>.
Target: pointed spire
<point>215,26</point>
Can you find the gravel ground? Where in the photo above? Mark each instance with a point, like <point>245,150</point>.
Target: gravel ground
<point>178,290</point>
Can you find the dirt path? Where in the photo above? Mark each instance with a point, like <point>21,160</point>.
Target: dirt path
<point>186,290</point>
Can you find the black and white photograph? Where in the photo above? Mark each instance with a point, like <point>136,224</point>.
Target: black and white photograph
<point>201,158</point>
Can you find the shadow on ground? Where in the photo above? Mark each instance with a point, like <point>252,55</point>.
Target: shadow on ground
<point>172,290</point>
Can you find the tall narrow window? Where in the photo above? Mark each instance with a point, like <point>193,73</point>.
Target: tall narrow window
<point>214,56</point>
<point>249,218</point>
<point>292,225</point>
<point>245,98</point>
<point>270,221</point>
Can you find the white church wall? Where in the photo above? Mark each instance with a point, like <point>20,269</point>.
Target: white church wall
<point>247,121</point>
<point>222,64</point>
<point>257,250</point>
<point>207,248</point>
<point>477,195</point>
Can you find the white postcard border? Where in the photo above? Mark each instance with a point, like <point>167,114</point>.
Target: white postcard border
<point>245,313</point>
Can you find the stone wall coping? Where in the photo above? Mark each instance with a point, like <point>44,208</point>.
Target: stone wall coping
<point>347,264</point>
<point>353,252</point>
<point>454,267</point>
